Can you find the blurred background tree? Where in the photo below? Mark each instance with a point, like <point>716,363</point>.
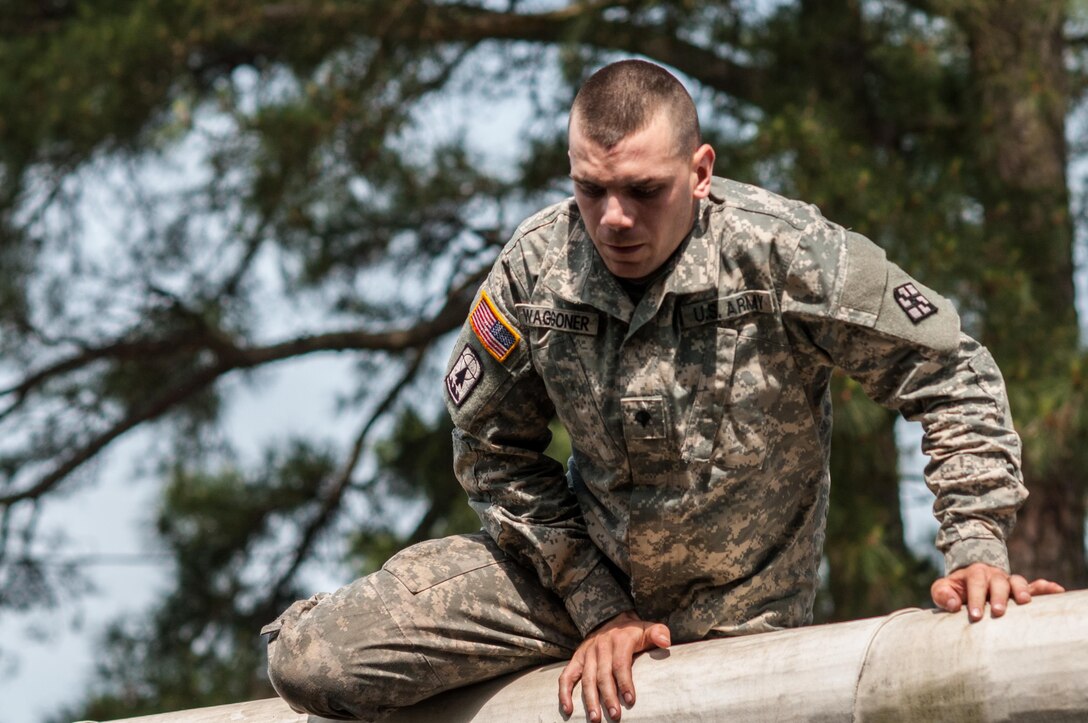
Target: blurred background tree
<point>283,180</point>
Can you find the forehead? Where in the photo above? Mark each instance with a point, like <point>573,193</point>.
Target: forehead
<point>647,154</point>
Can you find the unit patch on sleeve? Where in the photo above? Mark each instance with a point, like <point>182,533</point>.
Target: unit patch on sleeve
<point>492,329</point>
<point>549,317</point>
<point>464,376</point>
<point>916,306</point>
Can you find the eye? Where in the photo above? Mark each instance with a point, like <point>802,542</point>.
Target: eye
<point>645,191</point>
<point>590,190</point>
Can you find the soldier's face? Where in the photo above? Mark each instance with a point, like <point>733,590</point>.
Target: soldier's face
<point>638,198</point>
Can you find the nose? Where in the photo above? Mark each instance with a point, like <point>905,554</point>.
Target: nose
<point>615,215</point>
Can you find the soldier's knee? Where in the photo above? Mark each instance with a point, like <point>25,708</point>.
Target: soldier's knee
<point>311,681</point>
<point>318,668</point>
<point>288,675</point>
<point>307,682</point>
<point>303,663</point>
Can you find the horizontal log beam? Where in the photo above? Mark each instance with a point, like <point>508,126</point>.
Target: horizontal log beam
<point>913,665</point>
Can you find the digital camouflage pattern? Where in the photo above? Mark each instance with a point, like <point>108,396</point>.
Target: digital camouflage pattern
<point>700,416</point>
<point>439,615</point>
<point>700,419</point>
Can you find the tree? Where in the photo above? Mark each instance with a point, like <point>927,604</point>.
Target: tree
<point>1021,87</point>
<point>936,127</point>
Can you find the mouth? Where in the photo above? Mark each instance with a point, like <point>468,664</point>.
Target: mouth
<point>624,250</point>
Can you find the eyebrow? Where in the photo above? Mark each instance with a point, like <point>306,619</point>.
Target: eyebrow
<point>644,181</point>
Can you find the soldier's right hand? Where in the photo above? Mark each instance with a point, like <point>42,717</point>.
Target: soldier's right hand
<point>603,663</point>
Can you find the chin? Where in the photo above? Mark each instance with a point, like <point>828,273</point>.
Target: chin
<point>632,272</point>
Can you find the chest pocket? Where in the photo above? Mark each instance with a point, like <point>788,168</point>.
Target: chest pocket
<point>734,396</point>
<point>577,403</point>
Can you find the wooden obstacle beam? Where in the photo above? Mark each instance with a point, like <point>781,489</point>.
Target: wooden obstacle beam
<point>913,665</point>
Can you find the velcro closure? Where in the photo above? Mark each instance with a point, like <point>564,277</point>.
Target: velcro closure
<point>866,275</point>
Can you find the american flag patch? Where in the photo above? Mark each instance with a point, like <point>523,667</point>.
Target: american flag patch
<point>497,336</point>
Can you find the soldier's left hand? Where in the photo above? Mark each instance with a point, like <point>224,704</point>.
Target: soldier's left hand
<point>603,664</point>
<point>975,584</point>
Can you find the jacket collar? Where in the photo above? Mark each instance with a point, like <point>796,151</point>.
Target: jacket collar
<point>580,276</point>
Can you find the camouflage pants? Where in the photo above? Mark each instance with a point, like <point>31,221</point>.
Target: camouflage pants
<point>439,615</point>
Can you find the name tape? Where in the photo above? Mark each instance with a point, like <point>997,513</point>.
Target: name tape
<point>549,317</point>
<point>726,308</point>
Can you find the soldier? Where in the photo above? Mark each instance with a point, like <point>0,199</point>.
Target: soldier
<point>684,329</point>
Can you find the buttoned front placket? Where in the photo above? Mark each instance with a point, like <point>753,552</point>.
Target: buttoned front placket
<point>649,434</point>
<point>651,430</point>
<point>632,368</point>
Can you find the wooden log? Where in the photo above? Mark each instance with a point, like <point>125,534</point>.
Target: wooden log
<point>913,665</point>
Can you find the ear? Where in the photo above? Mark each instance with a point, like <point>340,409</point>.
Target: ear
<point>702,170</point>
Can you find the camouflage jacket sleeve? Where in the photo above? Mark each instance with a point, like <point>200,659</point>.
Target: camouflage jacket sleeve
<point>501,412</point>
<point>847,306</point>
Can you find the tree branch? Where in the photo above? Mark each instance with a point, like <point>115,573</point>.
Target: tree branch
<point>1077,41</point>
<point>118,350</point>
<point>240,357</point>
<point>339,484</point>
<point>416,337</point>
<point>442,503</point>
<point>928,7</point>
<point>396,340</point>
<point>420,21</point>
<point>155,408</point>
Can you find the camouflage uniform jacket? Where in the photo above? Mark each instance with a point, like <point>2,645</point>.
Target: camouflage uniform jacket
<point>700,417</point>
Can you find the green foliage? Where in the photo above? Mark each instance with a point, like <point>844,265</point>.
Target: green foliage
<point>145,675</point>
<point>200,643</point>
<point>415,464</point>
<point>870,568</point>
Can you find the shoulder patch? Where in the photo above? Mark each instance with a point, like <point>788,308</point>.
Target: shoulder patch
<point>914,303</point>
<point>550,317</point>
<point>492,329</point>
<point>466,373</point>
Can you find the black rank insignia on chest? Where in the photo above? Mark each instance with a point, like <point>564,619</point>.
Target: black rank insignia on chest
<point>914,303</point>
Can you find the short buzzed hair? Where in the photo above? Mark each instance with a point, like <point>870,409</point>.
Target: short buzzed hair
<point>624,97</point>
